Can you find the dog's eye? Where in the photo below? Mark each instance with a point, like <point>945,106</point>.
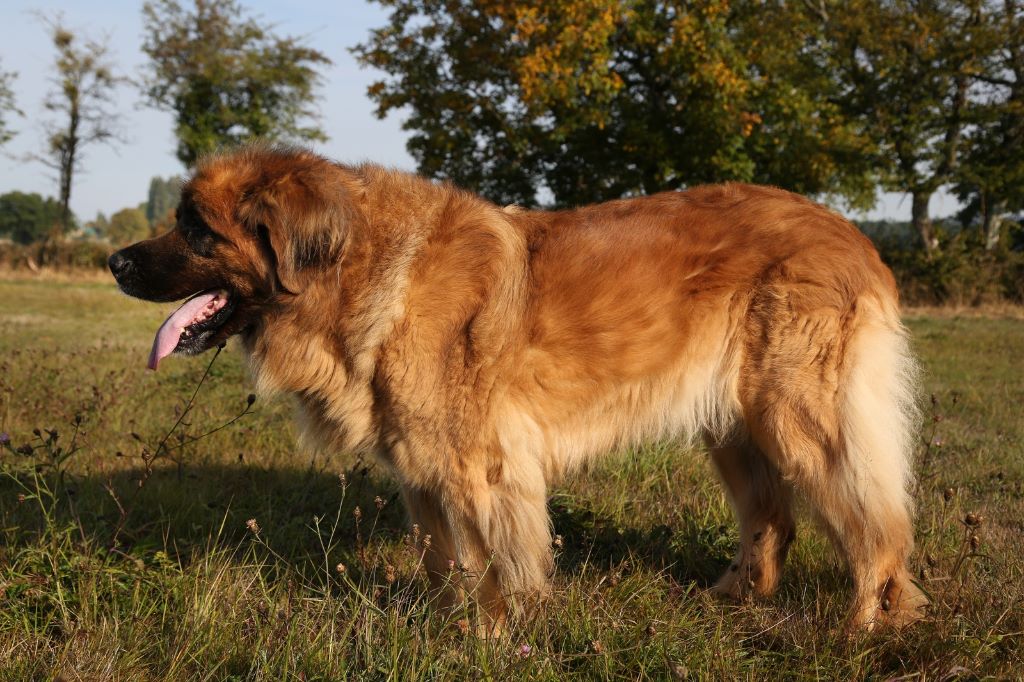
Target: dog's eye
<point>200,237</point>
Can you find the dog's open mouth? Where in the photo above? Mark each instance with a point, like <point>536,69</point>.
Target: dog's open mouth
<point>190,327</point>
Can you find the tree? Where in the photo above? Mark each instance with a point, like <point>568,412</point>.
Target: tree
<point>593,99</point>
<point>991,176</point>
<point>7,105</point>
<point>908,68</point>
<point>163,198</point>
<point>82,98</point>
<point>26,218</point>
<point>97,227</point>
<point>227,78</point>
<point>126,226</point>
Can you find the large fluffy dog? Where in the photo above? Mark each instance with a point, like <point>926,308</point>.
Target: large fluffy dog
<point>482,352</point>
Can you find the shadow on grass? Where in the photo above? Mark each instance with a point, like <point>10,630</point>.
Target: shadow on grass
<point>196,508</point>
<point>687,554</point>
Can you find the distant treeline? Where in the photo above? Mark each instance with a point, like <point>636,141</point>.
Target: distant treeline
<point>29,218</point>
<point>964,273</point>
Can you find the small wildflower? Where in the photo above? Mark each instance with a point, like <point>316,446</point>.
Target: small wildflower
<point>25,449</point>
<point>524,651</point>
<point>341,568</point>
<point>415,532</point>
<point>451,565</point>
<point>253,526</point>
<point>937,441</point>
<point>4,438</point>
<point>341,479</point>
<point>948,494</point>
<point>378,502</point>
<point>972,519</point>
<point>426,541</point>
<point>680,672</point>
<point>558,541</point>
<point>358,514</point>
<point>596,646</point>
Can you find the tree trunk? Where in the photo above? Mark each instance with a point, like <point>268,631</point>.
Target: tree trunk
<point>992,223</point>
<point>65,192</point>
<point>922,222</point>
<point>67,152</point>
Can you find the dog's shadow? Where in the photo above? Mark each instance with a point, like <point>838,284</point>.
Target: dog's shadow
<point>198,508</point>
<point>687,553</point>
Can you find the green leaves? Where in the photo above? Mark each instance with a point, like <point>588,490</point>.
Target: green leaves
<point>25,218</point>
<point>7,105</point>
<point>227,78</point>
<point>594,99</point>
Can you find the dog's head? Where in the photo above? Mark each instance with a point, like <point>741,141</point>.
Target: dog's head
<point>253,227</point>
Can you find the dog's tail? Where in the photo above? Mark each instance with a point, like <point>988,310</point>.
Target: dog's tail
<point>879,417</point>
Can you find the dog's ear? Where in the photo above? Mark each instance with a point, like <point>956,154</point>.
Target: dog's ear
<point>301,216</point>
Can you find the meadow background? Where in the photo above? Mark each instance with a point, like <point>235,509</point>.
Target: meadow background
<point>218,558</point>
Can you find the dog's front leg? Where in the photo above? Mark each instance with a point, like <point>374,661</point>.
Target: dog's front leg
<point>490,544</point>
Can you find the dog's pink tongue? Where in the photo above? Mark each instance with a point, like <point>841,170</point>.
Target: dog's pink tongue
<point>170,331</point>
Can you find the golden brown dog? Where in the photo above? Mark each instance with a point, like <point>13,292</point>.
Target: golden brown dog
<point>484,352</point>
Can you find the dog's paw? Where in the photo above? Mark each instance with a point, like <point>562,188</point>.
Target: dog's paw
<point>899,604</point>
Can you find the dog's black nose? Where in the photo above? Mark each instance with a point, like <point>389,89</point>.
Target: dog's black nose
<point>118,264</point>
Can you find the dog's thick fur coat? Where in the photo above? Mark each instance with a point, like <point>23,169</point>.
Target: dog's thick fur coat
<point>483,352</point>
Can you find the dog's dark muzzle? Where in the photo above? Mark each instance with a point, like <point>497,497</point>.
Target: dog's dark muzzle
<point>157,270</point>
<point>120,265</point>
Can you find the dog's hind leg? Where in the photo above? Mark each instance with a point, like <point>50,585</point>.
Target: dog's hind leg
<point>846,444</point>
<point>762,502</point>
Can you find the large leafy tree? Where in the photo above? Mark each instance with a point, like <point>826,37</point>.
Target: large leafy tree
<point>126,226</point>
<point>25,218</point>
<point>991,176</point>
<point>909,70</point>
<point>83,108</point>
<point>162,198</point>
<point>591,99</point>
<point>226,77</point>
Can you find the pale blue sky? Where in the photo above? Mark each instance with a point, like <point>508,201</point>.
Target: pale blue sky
<point>117,177</point>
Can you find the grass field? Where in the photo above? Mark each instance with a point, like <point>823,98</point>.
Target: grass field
<point>115,564</point>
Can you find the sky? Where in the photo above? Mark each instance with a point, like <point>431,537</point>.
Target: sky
<point>115,177</point>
